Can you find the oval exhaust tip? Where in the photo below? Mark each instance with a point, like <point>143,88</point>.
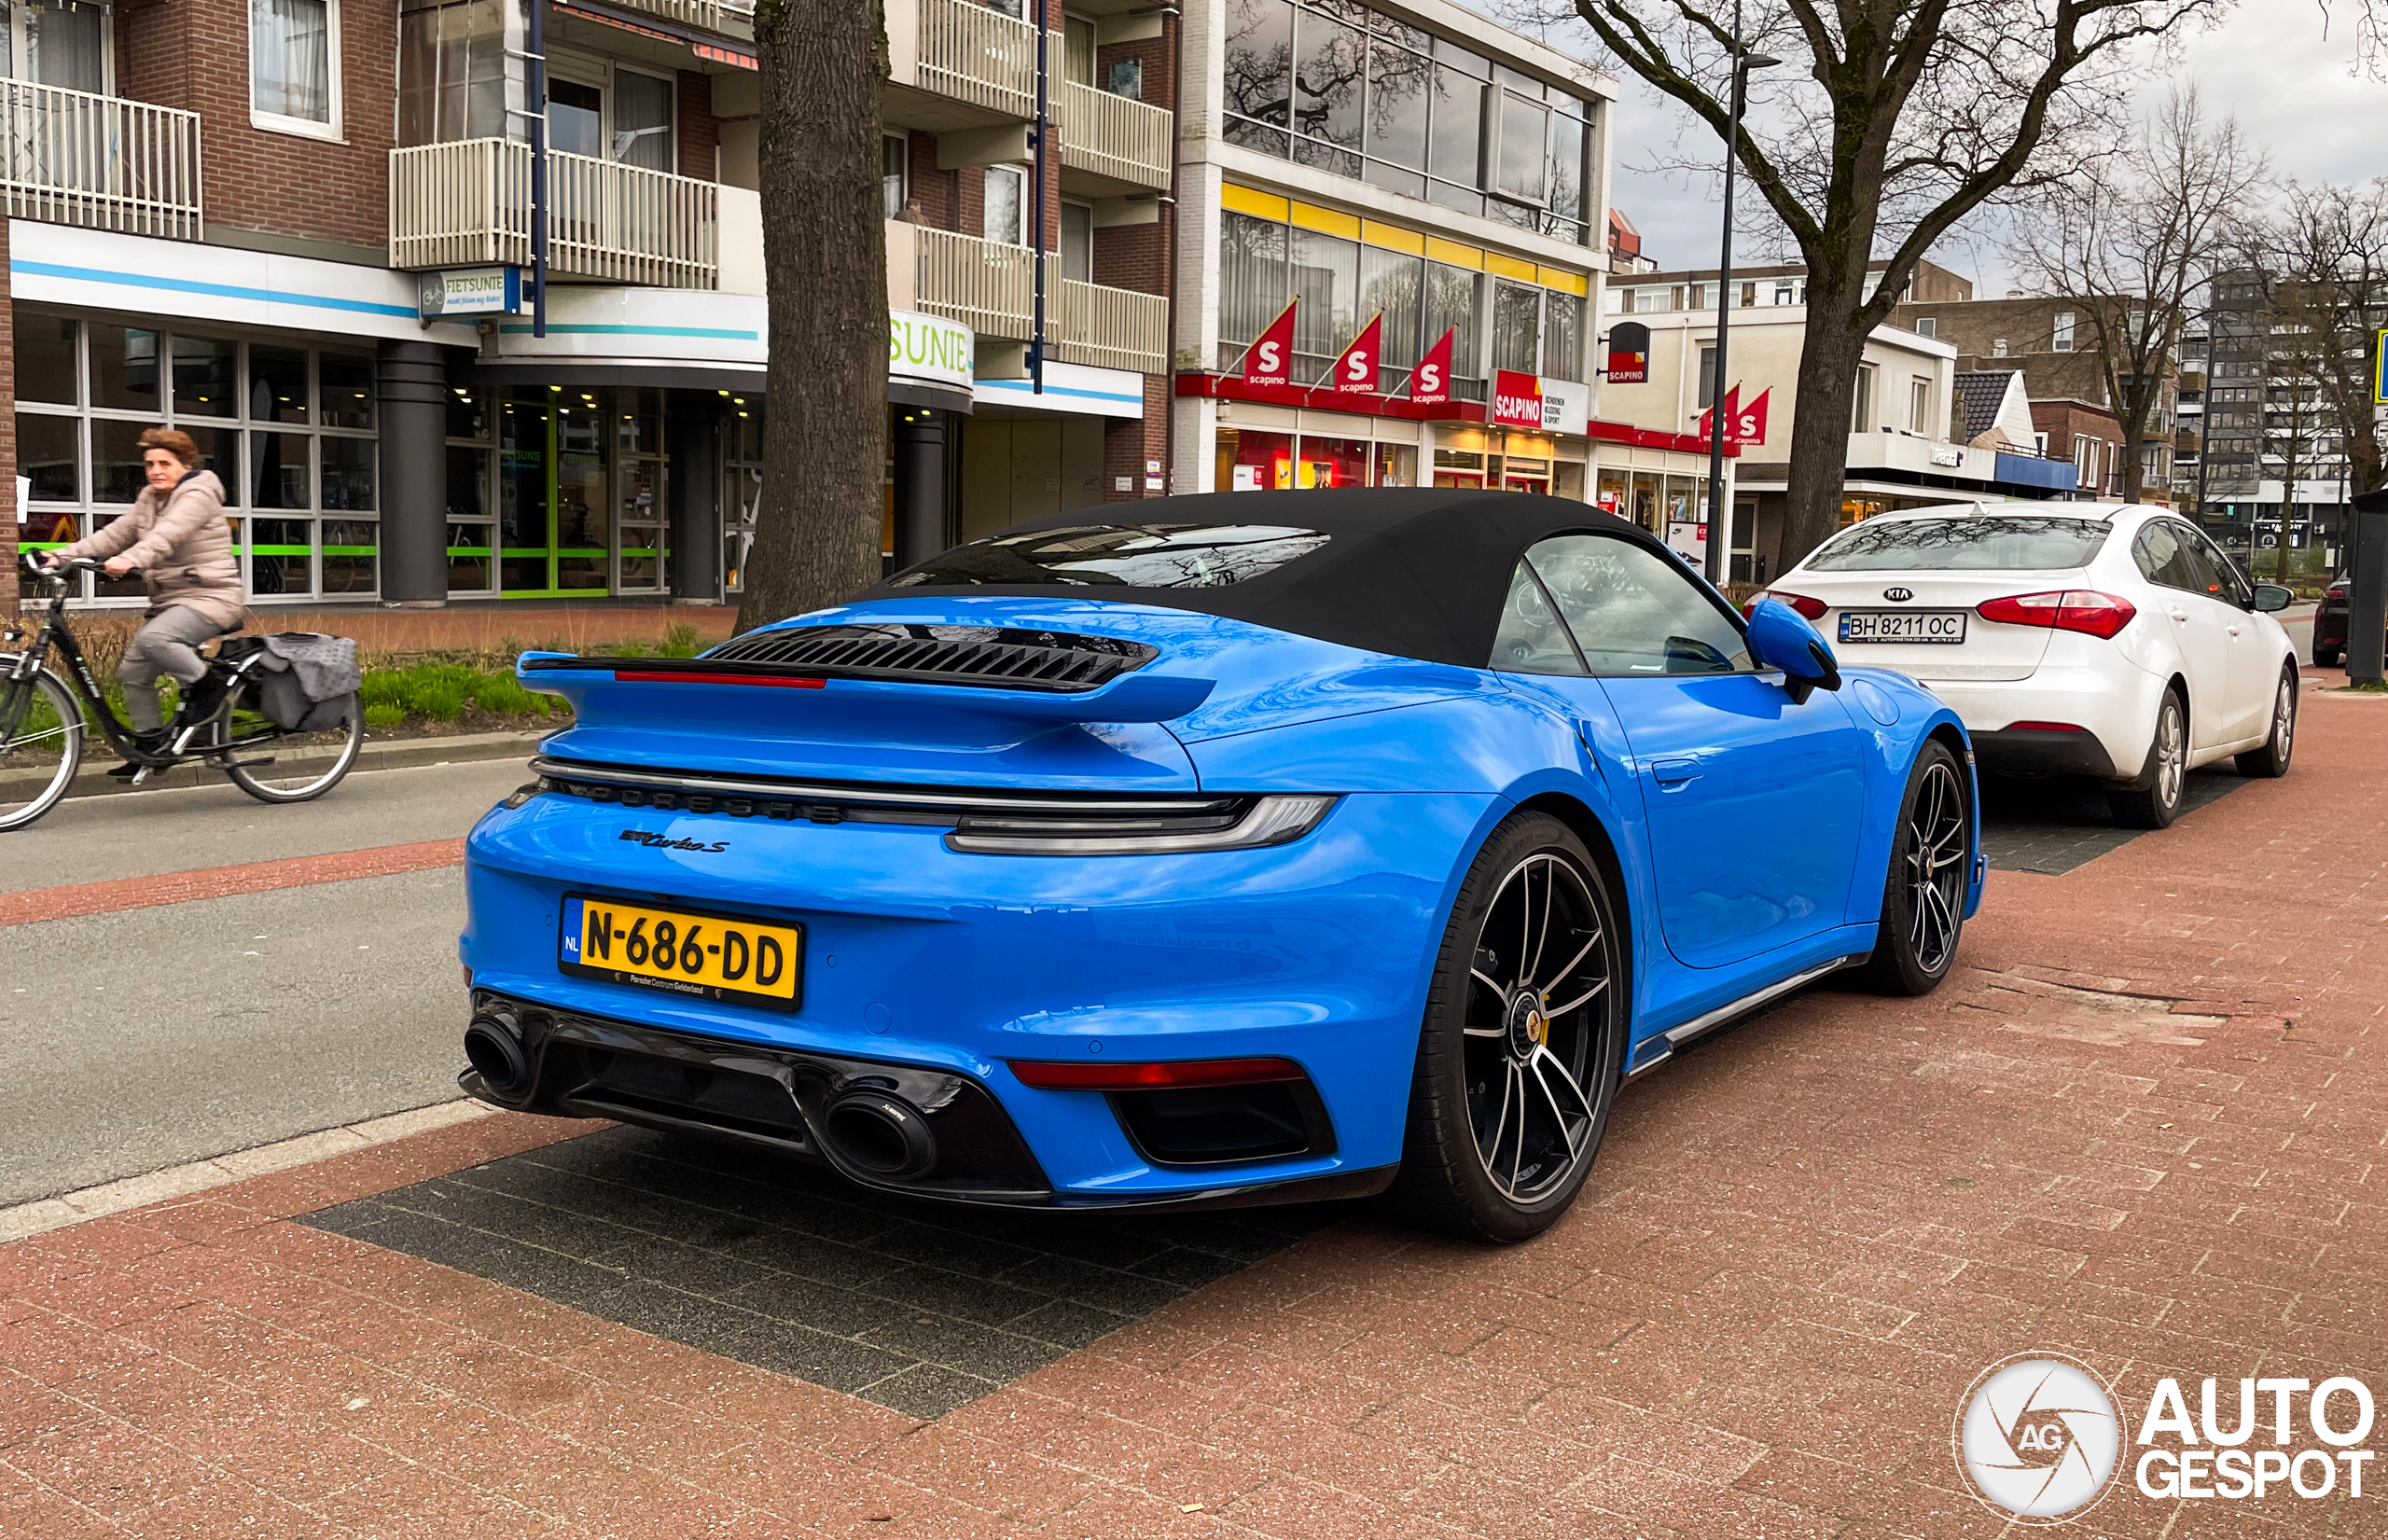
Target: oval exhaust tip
<point>880,1135</point>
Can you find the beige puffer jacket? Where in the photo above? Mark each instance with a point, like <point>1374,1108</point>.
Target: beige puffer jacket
<point>183,546</point>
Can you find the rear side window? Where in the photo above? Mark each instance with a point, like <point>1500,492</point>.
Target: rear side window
<point>1627,609</point>
<point>1135,556</point>
<point>1980,542</point>
<point>2164,558</point>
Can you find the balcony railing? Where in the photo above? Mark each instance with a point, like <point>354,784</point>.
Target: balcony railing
<point>978,54</point>
<point>1114,137</point>
<point>1113,329</point>
<point>990,287</point>
<point>468,202</point>
<point>730,18</point>
<point>73,157</point>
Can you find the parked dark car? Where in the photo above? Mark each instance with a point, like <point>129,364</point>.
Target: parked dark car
<point>2330,626</point>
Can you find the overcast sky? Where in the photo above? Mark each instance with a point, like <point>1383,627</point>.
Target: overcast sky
<point>2270,64</point>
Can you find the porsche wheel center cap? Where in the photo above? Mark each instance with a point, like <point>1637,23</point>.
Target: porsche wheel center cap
<point>1529,1028</point>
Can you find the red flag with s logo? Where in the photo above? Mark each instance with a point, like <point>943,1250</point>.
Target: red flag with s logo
<point>1355,372</point>
<point>1430,383</point>
<point>1270,360</point>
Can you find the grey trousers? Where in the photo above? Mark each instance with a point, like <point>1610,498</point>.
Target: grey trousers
<point>169,646</point>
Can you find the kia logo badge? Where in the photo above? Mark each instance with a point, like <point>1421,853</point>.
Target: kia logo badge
<point>1898,596</point>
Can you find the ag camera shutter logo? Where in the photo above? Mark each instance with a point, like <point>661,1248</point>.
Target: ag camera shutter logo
<point>2037,1439</point>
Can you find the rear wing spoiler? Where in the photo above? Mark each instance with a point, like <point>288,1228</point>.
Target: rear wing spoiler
<point>1136,697</point>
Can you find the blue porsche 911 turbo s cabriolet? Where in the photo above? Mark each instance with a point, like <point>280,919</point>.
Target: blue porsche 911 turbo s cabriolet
<point>1284,846</point>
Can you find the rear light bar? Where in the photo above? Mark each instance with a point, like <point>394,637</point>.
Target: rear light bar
<point>1085,1075</point>
<point>1809,609</point>
<point>696,676</point>
<point>2084,610</point>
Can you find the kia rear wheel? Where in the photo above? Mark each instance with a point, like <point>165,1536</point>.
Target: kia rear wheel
<point>2270,762</point>
<point>2156,801</point>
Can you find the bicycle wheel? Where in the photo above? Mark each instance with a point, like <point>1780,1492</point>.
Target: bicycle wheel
<point>302,766</point>
<point>41,746</point>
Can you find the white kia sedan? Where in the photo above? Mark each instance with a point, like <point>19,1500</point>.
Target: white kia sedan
<point>2072,638</point>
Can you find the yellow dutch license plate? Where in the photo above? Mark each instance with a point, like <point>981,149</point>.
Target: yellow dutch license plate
<point>702,955</point>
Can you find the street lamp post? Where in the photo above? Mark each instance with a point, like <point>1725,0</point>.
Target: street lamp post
<point>1719,519</point>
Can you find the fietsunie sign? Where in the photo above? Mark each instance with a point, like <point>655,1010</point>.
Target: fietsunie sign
<point>928,347</point>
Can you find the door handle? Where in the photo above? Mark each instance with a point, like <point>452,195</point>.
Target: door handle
<point>1674,772</point>
<point>2180,617</point>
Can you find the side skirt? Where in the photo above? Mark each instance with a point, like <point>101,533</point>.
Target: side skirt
<point>1725,1014</point>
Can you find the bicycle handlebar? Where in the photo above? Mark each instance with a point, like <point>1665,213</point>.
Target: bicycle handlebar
<point>33,563</point>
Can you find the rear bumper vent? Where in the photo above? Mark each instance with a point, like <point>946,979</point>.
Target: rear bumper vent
<point>942,655</point>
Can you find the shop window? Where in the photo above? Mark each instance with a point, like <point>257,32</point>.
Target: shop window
<point>46,365</point>
<point>1396,465</point>
<point>294,66</point>
<point>347,381</point>
<point>1331,463</point>
<point>1562,335</point>
<point>204,371</point>
<point>351,558</point>
<point>277,384</point>
<point>1612,495</point>
<point>1250,461</point>
<point>123,367</point>
<point>742,485</point>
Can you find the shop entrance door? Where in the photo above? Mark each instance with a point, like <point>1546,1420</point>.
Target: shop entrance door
<point>525,522</point>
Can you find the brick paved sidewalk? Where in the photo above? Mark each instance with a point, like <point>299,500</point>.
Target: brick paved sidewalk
<point>2144,1125</point>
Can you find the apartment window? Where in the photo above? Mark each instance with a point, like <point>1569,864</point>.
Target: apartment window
<point>1077,242</point>
<point>2060,333</point>
<point>1998,347</point>
<point>455,78</point>
<point>1516,316</point>
<point>894,167</point>
<point>1927,326</point>
<point>1077,51</point>
<point>290,432</point>
<point>294,66</point>
<point>643,108</point>
<point>58,43</point>
<point>1919,406</point>
<point>1649,302</point>
<point>1861,417</point>
<point>1783,291</point>
<point>1562,335</point>
<point>1707,376</point>
<point>1006,216</point>
<point>2084,462</point>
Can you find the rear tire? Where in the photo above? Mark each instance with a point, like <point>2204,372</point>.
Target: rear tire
<point>1522,1044</point>
<point>41,747</point>
<point>302,778</point>
<point>2270,762</point>
<point>2327,657</point>
<point>1924,892</point>
<point>2157,801</point>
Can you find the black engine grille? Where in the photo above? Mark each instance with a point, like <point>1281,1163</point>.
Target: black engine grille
<point>979,654</point>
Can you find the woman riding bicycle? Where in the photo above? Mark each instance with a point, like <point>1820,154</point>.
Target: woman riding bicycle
<point>177,536</point>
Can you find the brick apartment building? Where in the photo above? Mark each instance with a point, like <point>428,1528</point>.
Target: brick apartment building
<point>289,230</point>
<point>2054,343</point>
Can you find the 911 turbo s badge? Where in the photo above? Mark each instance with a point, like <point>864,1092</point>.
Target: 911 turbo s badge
<point>664,842</point>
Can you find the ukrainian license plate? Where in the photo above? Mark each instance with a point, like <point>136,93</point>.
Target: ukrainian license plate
<point>1903,625</point>
<point>690,953</point>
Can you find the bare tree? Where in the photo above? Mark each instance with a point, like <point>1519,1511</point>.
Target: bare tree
<point>824,266</point>
<point>1894,120</point>
<point>2131,238</point>
<point>2322,259</point>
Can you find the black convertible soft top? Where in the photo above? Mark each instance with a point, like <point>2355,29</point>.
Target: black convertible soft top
<point>1415,571</point>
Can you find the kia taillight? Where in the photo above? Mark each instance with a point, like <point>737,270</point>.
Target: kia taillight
<point>1813,609</point>
<point>2085,610</point>
<point>2337,591</point>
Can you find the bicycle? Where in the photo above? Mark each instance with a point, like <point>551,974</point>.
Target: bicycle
<point>43,722</point>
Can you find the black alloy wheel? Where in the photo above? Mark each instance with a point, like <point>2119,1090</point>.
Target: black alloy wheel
<point>1923,893</point>
<point>1522,1044</point>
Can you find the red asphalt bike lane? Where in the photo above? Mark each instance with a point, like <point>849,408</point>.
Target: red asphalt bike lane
<point>79,899</point>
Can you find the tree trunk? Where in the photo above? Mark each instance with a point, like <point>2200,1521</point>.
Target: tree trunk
<point>1829,354</point>
<point>825,264</point>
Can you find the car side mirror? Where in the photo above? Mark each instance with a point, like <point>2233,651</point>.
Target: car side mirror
<point>2270,597</point>
<point>1781,639</point>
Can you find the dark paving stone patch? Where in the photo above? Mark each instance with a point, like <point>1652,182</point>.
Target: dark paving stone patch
<point>2055,825</point>
<point>918,1307</point>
